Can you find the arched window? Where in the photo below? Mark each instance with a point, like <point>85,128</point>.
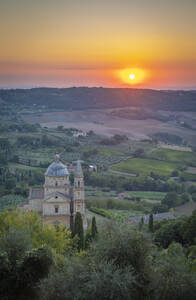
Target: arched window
<point>78,183</point>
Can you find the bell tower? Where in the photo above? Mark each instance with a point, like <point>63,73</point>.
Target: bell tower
<point>78,190</point>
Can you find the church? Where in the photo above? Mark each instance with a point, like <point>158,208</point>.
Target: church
<point>57,202</point>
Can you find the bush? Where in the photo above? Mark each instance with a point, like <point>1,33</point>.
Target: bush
<point>159,208</point>
<point>185,197</point>
<point>107,214</point>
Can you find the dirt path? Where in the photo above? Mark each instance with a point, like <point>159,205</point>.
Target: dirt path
<point>185,209</point>
<point>122,173</point>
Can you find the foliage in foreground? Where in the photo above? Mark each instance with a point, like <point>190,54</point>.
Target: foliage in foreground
<point>180,230</point>
<point>58,239</point>
<point>123,264</point>
<point>43,263</point>
<point>21,267</point>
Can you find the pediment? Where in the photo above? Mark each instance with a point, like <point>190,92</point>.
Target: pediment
<point>56,197</point>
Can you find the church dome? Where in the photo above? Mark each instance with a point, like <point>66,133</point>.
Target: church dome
<point>57,168</point>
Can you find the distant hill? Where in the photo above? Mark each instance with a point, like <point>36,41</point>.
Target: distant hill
<point>98,98</point>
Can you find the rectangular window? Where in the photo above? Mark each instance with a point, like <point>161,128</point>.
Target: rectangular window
<point>56,209</point>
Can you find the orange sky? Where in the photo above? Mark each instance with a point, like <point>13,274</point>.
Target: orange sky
<point>88,42</point>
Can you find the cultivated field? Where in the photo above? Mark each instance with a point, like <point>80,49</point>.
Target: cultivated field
<point>143,166</point>
<point>147,195</point>
<point>104,122</point>
<point>184,157</point>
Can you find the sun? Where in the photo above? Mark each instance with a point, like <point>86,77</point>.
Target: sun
<point>132,76</point>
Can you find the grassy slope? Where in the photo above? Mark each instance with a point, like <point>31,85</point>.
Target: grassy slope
<point>143,166</point>
<point>160,161</point>
<point>173,155</point>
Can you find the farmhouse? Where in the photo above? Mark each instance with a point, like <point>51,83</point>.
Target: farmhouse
<point>79,133</point>
<point>58,201</point>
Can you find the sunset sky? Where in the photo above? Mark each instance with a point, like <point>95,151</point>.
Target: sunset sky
<point>98,43</point>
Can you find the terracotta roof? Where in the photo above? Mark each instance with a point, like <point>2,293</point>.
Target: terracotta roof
<point>36,193</point>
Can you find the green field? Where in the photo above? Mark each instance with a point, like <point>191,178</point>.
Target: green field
<point>143,166</point>
<point>173,156</point>
<point>147,195</point>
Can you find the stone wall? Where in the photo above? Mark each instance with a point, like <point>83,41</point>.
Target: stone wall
<point>36,204</point>
<point>57,220</point>
<point>79,206</point>
<point>53,184</point>
<point>56,181</point>
<point>49,208</point>
<point>78,194</point>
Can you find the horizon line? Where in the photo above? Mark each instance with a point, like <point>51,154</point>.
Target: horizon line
<point>102,87</point>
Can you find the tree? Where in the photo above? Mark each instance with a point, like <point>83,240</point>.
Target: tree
<point>3,161</point>
<point>60,128</point>
<point>60,242</point>
<point>5,147</point>
<point>88,238</point>
<point>90,133</point>
<point>94,230</point>
<point>175,173</point>
<point>10,183</point>
<point>139,152</point>
<point>78,230</point>
<point>174,272</point>
<point>35,266</point>
<point>185,197</point>
<point>171,199</point>
<point>190,229</point>
<point>21,268</point>
<point>141,223</point>
<point>150,224</point>
<point>159,208</point>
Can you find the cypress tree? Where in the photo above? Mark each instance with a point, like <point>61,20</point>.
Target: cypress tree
<point>88,238</point>
<point>141,223</point>
<point>78,230</point>
<point>94,230</point>
<point>150,224</point>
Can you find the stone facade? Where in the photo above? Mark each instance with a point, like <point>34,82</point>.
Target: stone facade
<point>58,201</point>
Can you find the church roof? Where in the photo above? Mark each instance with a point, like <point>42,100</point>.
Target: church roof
<point>57,168</point>
<point>36,193</point>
